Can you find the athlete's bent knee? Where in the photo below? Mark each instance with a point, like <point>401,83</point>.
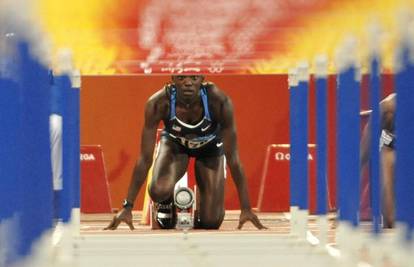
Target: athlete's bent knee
<point>159,194</point>
<point>211,222</point>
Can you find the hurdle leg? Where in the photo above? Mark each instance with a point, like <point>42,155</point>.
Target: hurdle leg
<point>349,240</point>
<point>293,220</point>
<point>323,230</point>
<point>302,224</point>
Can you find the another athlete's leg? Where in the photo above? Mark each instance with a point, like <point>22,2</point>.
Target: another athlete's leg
<point>387,163</point>
<point>210,181</point>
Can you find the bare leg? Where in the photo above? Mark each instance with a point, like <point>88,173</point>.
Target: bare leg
<point>170,165</point>
<point>210,181</point>
<point>387,163</point>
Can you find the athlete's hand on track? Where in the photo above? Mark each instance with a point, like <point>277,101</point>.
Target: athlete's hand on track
<point>124,215</point>
<point>248,215</point>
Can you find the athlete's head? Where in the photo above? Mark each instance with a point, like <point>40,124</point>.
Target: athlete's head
<point>187,86</point>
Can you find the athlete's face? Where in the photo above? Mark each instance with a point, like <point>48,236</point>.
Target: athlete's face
<point>187,86</point>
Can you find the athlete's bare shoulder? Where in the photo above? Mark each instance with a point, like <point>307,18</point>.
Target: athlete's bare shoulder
<point>215,93</point>
<point>158,96</point>
<point>158,104</point>
<point>220,103</point>
<point>388,103</point>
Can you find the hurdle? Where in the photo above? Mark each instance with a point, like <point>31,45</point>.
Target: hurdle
<point>27,232</point>
<point>299,179</point>
<point>348,140</point>
<point>404,160</point>
<point>11,153</point>
<point>67,81</point>
<point>321,73</point>
<point>348,98</point>
<point>31,178</point>
<point>298,88</point>
<point>398,250</point>
<point>374,168</point>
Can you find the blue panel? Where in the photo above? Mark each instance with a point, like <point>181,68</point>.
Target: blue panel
<point>299,145</point>
<point>66,197</point>
<point>294,135</point>
<point>348,137</point>
<point>302,143</point>
<point>36,166</point>
<point>404,180</point>
<point>375,182</point>
<point>11,193</point>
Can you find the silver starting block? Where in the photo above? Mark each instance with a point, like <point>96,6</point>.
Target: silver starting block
<point>184,200</point>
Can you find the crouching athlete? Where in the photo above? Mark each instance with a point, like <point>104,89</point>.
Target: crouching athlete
<point>199,123</point>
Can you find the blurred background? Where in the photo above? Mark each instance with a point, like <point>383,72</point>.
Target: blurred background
<point>234,36</point>
<point>120,52</point>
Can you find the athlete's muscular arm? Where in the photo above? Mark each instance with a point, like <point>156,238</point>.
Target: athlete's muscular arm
<point>144,162</point>
<point>153,115</point>
<point>229,136</point>
<point>387,113</point>
<point>232,154</point>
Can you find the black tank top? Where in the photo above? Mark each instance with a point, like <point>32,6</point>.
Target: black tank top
<point>188,135</point>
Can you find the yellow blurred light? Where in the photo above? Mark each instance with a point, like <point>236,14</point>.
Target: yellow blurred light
<point>325,31</point>
<point>81,26</point>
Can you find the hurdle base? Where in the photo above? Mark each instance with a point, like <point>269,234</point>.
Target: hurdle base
<point>299,222</point>
<point>303,225</point>
<point>294,220</point>
<point>400,249</point>
<point>350,243</point>
<point>323,225</point>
